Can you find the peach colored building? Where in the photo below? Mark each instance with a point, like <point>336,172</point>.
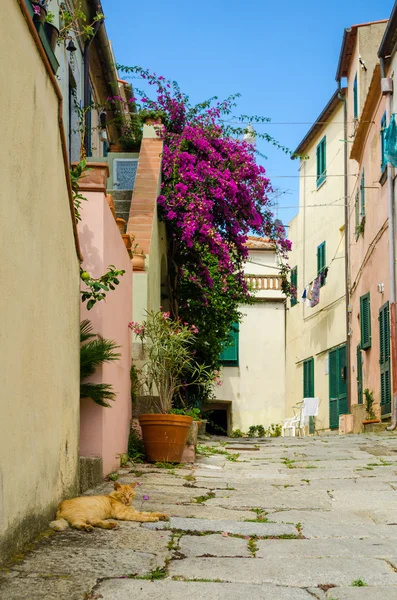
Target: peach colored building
<point>104,431</point>
<point>369,273</point>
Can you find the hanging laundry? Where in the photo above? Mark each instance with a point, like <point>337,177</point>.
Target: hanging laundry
<point>390,136</point>
<point>309,291</point>
<point>304,294</point>
<point>315,292</point>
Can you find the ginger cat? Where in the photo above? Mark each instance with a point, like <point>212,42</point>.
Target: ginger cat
<point>87,512</point>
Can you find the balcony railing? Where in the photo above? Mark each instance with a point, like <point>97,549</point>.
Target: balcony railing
<point>264,282</point>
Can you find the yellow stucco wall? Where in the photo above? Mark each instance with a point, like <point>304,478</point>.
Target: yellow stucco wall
<point>39,300</point>
<point>311,332</point>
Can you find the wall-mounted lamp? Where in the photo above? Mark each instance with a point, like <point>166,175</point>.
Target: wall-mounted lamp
<point>381,288</point>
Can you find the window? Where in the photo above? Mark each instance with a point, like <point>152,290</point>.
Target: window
<point>355,98</point>
<point>294,283</point>
<point>321,161</point>
<point>321,260</point>
<point>229,355</point>
<point>382,142</point>
<point>365,321</point>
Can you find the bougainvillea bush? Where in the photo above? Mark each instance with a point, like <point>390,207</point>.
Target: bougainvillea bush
<point>214,194</point>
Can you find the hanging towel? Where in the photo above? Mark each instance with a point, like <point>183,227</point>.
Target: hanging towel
<point>310,407</point>
<point>309,291</point>
<point>315,292</point>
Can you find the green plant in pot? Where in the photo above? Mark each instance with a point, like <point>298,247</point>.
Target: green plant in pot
<point>39,10</point>
<point>52,32</point>
<point>369,401</point>
<point>169,360</point>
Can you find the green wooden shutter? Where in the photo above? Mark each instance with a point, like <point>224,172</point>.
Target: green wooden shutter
<point>321,161</point>
<point>308,386</point>
<point>382,142</point>
<point>357,209</point>
<point>384,359</point>
<point>294,282</point>
<point>362,189</point>
<point>342,381</point>
<point>359,375</point>
<point>230,353</point>
<point>333,389</point>
<point>355,98</point>
<point>365,321</point>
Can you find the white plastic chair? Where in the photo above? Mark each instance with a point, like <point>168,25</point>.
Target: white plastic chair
<point>294,424</point>
<point>307,408</point>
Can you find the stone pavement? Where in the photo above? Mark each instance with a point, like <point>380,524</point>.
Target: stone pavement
<point>277,519</point>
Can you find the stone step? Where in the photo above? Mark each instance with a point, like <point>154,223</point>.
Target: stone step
<point>170,590</point>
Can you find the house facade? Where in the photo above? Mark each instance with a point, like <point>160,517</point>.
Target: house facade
<point>388,64</point>
<point>253,372</point>
<point>368,224</point>
<point>316,317</point>
<point>39,303</point>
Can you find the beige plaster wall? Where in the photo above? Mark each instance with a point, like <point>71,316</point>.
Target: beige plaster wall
<point>39,300</point>
<point>256,387</point>
<point>312,332</point>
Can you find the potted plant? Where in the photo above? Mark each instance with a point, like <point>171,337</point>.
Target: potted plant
<point>52,32</point>
<point>39,10</point>
<point>369,401</point>
<point>169,351</point>
<point>138,260</point>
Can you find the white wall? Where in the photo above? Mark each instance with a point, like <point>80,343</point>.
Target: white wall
<point>256,387</point>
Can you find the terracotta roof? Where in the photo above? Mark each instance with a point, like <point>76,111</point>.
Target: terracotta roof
<point>319,123</point>
<point>390,36</point>
<point>259,243</point>
<point>348,43</point>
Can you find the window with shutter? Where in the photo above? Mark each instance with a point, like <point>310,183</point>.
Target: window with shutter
<point>294,283</point>
<point>384,359</point>
<point>365,321</point>
<point>321,259</point>
<point>321,161</point>
<point>229,356</point>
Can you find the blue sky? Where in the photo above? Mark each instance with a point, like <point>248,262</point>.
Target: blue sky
<point>281,56</point>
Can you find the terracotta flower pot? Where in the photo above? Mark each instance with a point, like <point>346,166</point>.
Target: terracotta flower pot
<point>121,224</point>
<point>127,240</point>
<point>138,262</point>
<point>164,436</point>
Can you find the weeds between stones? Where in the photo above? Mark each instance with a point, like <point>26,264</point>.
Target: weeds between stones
<point>202,499</point>
<point>359,583</point>
<point>252,547</point>
<point>288,462</point>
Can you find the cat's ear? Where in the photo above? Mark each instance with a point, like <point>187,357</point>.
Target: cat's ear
<point>117,486</point>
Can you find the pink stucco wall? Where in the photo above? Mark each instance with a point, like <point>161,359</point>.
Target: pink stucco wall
<point>369,253</point>
<point>104,431</point>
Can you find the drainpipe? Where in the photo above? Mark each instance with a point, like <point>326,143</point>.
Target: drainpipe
<point>387,90</point>
<point>86,76</point>
<point>342,97</point>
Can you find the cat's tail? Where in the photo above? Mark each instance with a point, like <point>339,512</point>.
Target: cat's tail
<point>59,525</point>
